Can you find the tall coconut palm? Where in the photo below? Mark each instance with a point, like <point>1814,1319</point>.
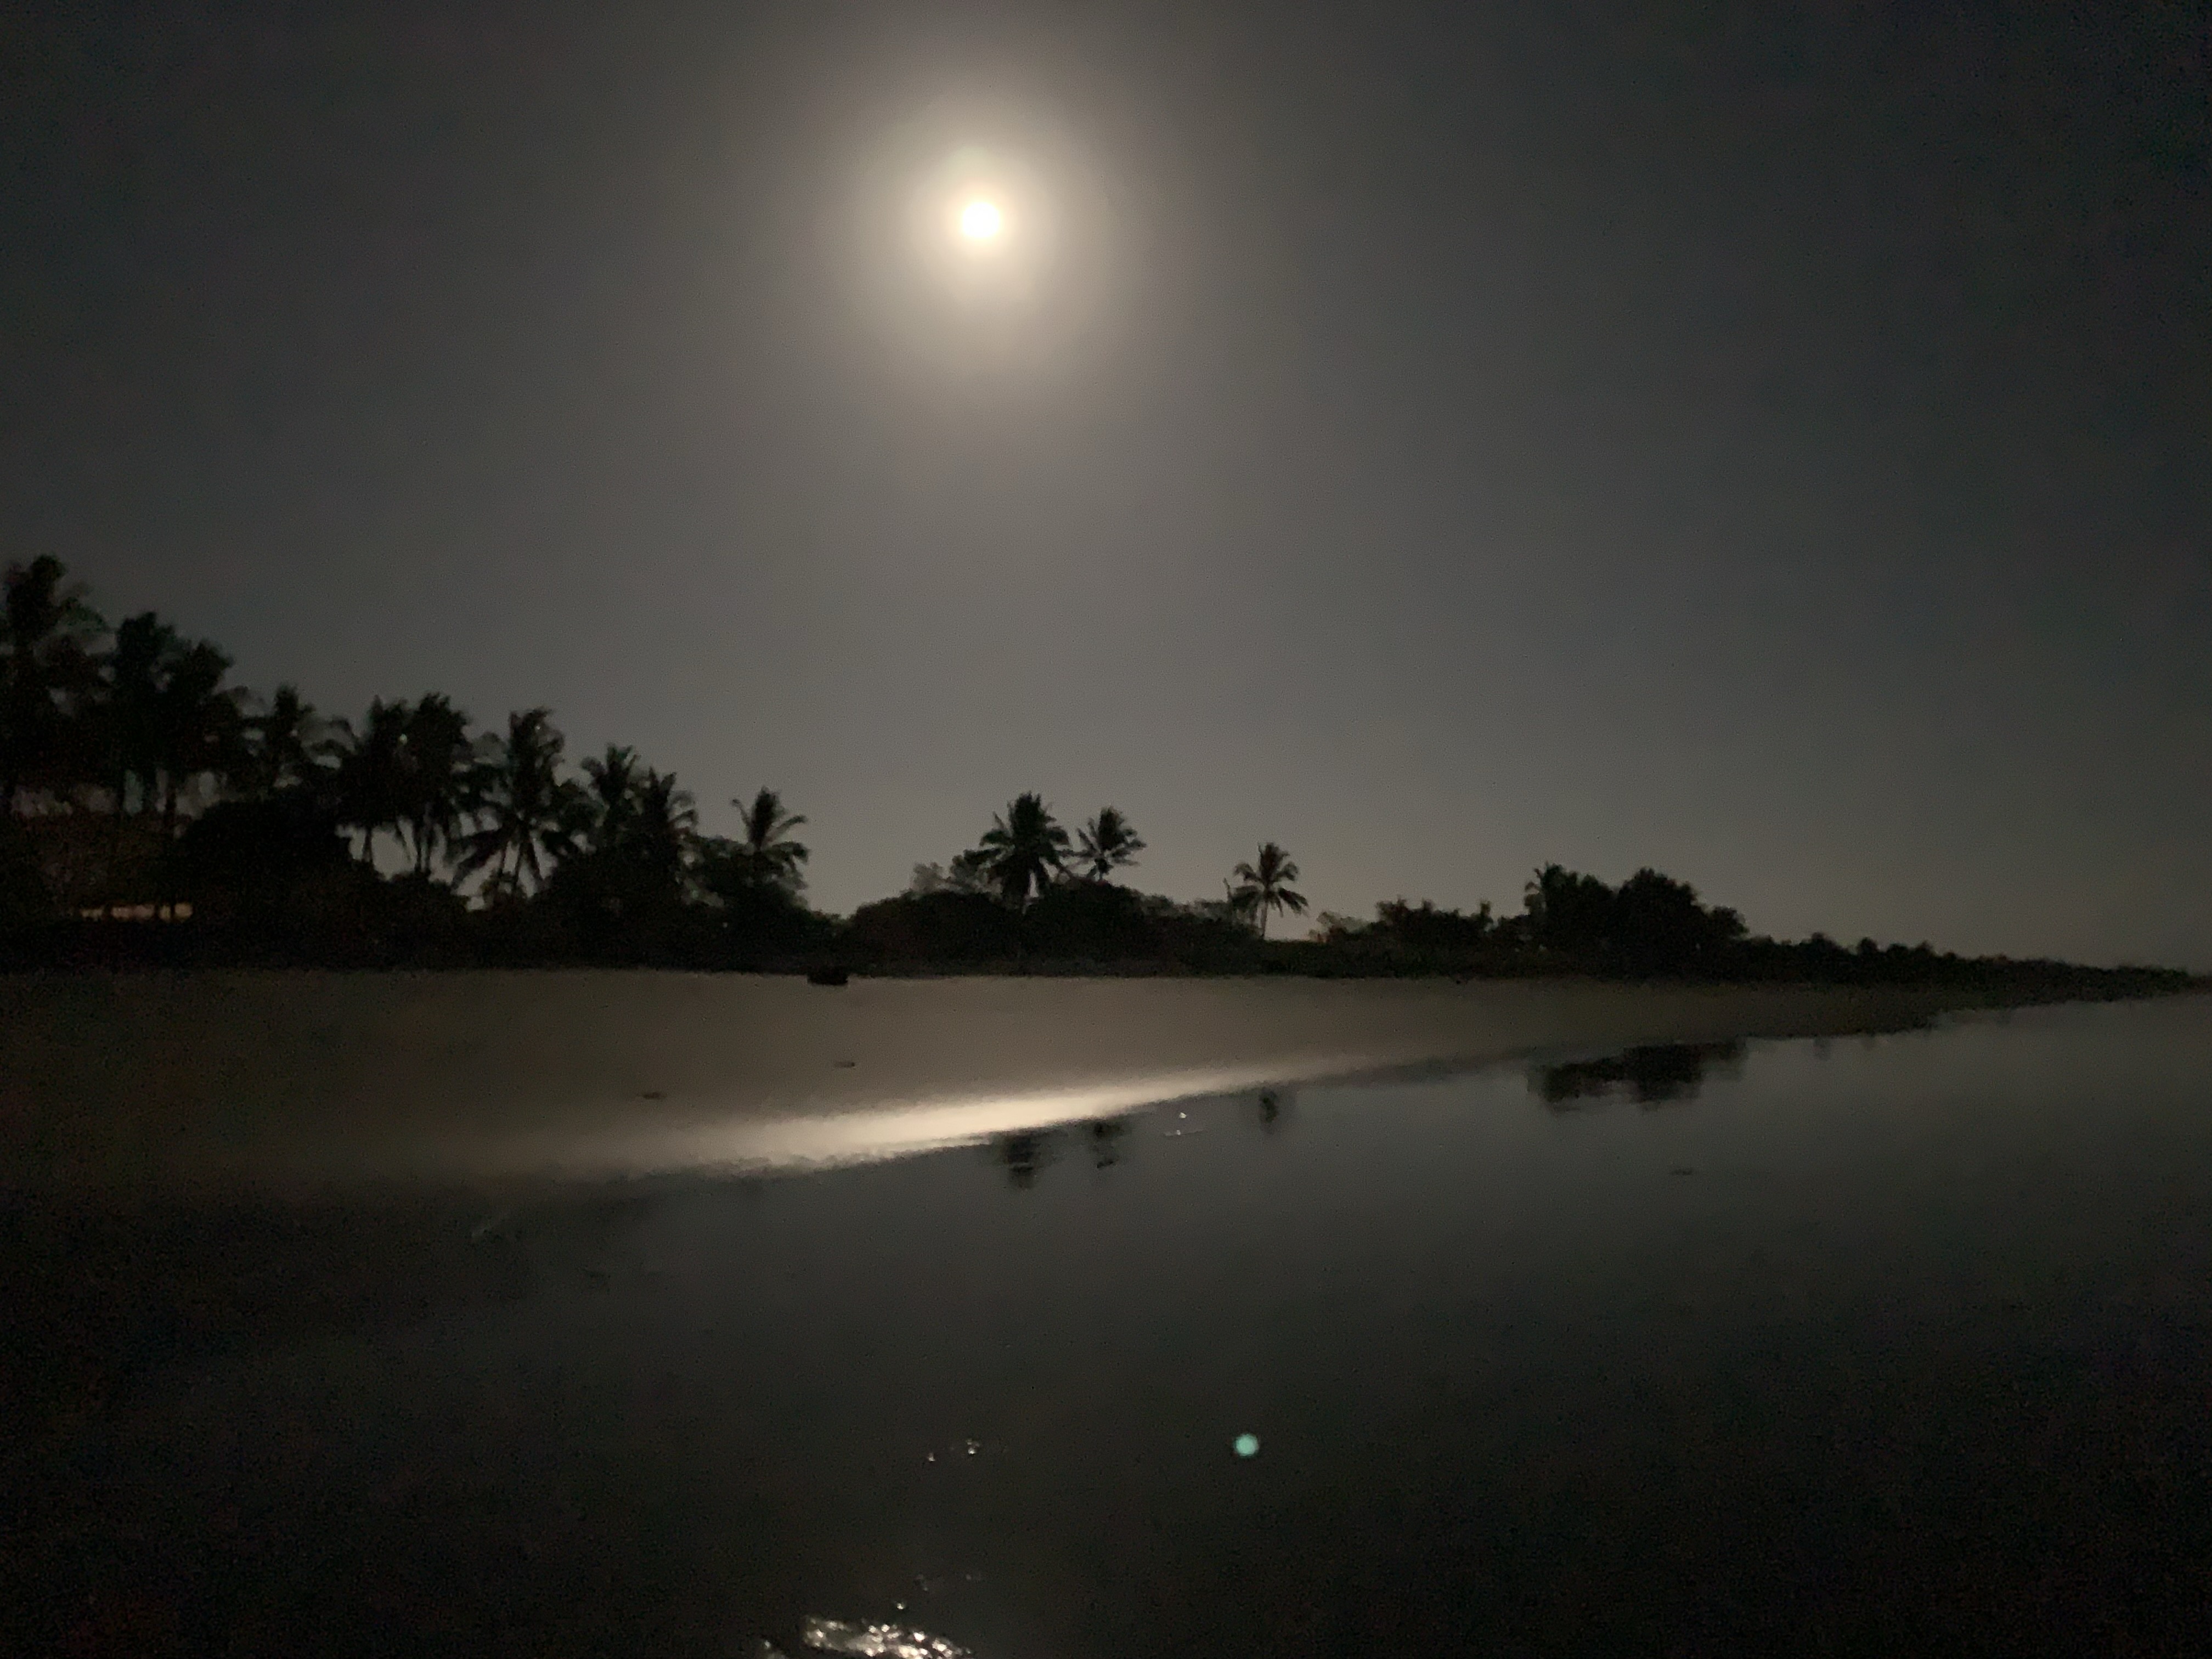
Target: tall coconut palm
<point>438,777</point>
<point>1107,843</point>
<point>1265,885</point>
<point>1024,849</point>
<point>46,635</point>
<point>130,716</point>
<point>763,854</point>
<point>639,841</point>
<point>372,773</point>
<point>613,780</point>
<point>661,832</point>
<point>526,808</point>
<point>289,741</point>
<point>201,729</point>
<point>164,720</point>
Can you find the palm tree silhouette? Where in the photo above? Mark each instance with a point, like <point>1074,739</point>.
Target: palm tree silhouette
<point>613,779</point>
<point>372,773</point>
<point>1107,843</point>
<point>289,742</point>
<point>46,634</point>
<point>165,719</point>
<point>527,809</point>
<point>637,812</point>
<point>1266,885</point>
<point>1024,849</point>
<point>129,715</point>
<point>763,854</point>
<point>662,829</point>
<point>440,776</point>
<point>200,730</point>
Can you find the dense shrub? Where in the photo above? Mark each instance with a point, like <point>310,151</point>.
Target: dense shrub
<point>944,927</point>
<point>25,899</point>
<point>262,862</point>
<point>1091,922</point>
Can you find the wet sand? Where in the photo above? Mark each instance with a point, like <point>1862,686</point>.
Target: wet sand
<point>188,1082</point>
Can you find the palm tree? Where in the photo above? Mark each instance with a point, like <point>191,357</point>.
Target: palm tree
<point>528,807</point>
<point>763,854</point>
<point>130,716</point>
<point>1107,843</point>
<point>661,831</point>
<point>1024,849</point>
<point>289,742</point>
<point>1266,885</point>
<point>438,776</point>
<point>164,720</point>
<point>372,773</point>
<point>613,779</point>
<point>637,830</point>
<point>46,635</point>
<point>200,730</point>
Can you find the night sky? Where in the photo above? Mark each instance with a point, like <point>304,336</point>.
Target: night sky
<point>1771,443</point>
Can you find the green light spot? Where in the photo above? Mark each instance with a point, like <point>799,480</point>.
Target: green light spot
<point>1248,1445</point>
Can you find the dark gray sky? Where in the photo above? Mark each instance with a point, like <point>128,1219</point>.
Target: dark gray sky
<point>1773,443</point>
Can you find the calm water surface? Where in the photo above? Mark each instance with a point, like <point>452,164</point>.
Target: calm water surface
<point>1830,1347</point>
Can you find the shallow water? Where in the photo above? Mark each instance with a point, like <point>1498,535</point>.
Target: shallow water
<point>1833,1346</point>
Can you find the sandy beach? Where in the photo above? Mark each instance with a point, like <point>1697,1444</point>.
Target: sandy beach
<point>156,1082</point>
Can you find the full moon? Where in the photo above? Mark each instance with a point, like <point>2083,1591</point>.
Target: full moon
<point>981,222</point>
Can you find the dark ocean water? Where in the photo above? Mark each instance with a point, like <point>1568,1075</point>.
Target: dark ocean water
<point>1896,1343</point>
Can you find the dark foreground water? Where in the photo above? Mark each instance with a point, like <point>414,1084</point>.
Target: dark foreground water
<point>1898,1344</point>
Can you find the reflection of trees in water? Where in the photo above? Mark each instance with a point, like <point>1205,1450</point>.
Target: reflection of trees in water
<point>1657,1074</point>
<point>1024,1153</point>
<point>1106,1136</point>
<point>1273,1106</point>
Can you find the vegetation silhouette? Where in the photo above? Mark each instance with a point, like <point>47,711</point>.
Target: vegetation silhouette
<point>528,815</point>
<point>1023,1154</point>
<point>1656,1074</point>
<point>764,855</point>
<point>1107,1135</point>
<point>1023,851</point>
<point>153,813</point>
<point>1107,843</point>
<point>1265,885</point>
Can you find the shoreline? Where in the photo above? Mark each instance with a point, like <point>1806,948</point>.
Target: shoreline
<point>304,1082</point>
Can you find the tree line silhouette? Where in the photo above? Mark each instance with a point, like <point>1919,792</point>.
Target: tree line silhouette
<point>154,812</point>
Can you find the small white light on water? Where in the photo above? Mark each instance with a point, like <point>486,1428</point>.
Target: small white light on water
<point>1248,1445</point>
